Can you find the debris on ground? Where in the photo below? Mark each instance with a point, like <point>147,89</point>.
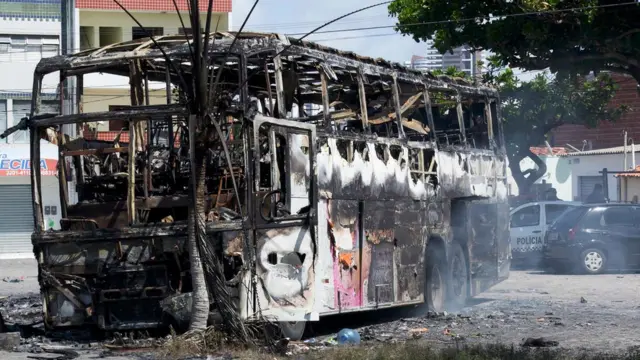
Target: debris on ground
<point>539,342</point>
<point>13,280</point>
<point>348,337</point>
<point>583,300</point>
<point>65,354</point>
<point>22,309</point>
<point>416,333</point>
<point>9,341</point>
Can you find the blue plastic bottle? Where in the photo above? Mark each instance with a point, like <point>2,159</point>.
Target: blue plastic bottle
<point>348,336</point>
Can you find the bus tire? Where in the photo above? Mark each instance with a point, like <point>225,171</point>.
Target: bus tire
<point>2,327</point>
<point>458,289</point>
<point>294,330</point>
<point>435,284</point>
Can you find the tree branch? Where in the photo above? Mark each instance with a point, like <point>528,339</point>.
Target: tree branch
<point>563,61</point>
<point>627,33</point>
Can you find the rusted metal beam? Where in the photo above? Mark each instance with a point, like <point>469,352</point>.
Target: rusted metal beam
<point>328,122</point>
<point>138,113</point>
<point>282,109</point>
<point>149,131</point>
<point>36,195</point>
<point>95,151</point>
<point>460,114</point>
<point>115,61</point>
<point>135,81</point>
<point>429,111</point>
<point>269,92</point>
<point>398,106</point>
<point>146,232</point>
<point>362,96</point>
<point>62,175</point>
<point>487,115</point>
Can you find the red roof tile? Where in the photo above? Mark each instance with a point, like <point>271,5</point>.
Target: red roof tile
<point>219,6</point>
<point>635,173</point>
<point>543,150</point>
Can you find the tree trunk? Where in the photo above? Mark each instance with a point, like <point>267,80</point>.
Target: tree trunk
<point>523,181</point>
<point>200,300</point>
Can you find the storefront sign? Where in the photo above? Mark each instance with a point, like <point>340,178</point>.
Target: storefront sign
<point>10,166</point>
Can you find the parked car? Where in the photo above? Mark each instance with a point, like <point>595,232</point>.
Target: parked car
<point>529,224</point>
<point>592,238</point>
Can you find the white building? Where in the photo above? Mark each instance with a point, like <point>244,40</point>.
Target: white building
<point>27,34</point>
<point>575,174</point>
<point>462,58</point>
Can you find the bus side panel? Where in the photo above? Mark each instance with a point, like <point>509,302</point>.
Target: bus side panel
<point>326,300</point>
<point>504,241</point>
<point>285,274</point>
<point>409,250</point>
<point>349,265</point>
<point>488,243</point>
<point>379,234</point>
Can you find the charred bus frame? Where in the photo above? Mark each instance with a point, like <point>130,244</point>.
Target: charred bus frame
<point>394,193</point>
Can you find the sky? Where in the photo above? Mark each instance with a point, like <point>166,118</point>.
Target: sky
<point>301,16</point>
<point>297,17</point>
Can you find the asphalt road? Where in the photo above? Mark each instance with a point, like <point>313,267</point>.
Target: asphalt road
<point>528,304</point>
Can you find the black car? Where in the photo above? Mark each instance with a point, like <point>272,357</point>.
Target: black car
<point>592,238</point>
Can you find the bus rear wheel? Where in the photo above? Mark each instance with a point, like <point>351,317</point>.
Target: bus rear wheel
<point>294,330</point>
<point>435,287</point>
<point>458,289</point>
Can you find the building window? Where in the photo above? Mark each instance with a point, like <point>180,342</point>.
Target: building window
<point>187,31</point>
<point>30,9</point>
<point>110,35</point>
<point>139,33</point>
<point>28,47</point>
<point>86,37</point>
<point>18,44</point>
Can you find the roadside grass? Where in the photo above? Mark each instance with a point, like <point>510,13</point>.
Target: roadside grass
<point>211,342</point>
<point>415,350</point>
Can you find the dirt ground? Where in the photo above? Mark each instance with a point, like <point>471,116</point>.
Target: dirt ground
<point>596,312</point>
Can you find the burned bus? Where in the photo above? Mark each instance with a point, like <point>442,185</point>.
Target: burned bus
<point>361,185</point>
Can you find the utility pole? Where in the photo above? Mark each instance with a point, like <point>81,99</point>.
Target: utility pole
<point>69,91</point>
<point>625,168</point>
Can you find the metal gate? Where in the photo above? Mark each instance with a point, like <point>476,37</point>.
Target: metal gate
<point>586,184</point>
<point>16,219</point>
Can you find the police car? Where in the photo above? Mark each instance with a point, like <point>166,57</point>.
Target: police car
<point>529,224</point>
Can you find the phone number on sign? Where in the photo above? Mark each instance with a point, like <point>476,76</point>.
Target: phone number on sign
<point>28,172</point>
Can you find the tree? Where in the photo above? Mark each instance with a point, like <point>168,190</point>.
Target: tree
<point>531,109</point>
<point>450,71</point>
<point>570,38</point>
<point>575,36</point>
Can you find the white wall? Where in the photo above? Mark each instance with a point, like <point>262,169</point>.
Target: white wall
<point>168,21</point>
<point>563,172</point>
<point>590,165</point>
<point>17,68</point>
<point>29,26</point>
<point>558,174</point>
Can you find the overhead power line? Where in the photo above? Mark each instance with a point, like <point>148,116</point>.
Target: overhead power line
<point>477,18</point>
